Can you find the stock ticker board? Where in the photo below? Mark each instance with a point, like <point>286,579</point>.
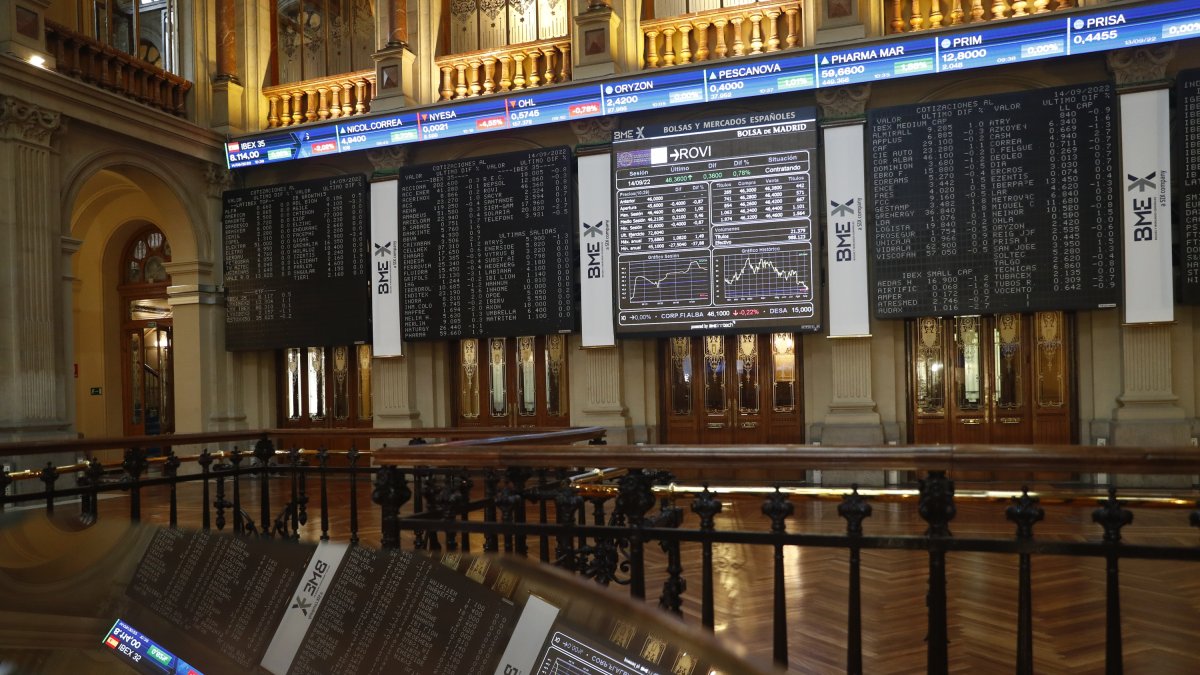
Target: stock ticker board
<point>996,204</point>
<point>714,225</point>
<point>296,264</point>
<point>1062,34</point>
<point>486,246</point>
<point>1188,142</point>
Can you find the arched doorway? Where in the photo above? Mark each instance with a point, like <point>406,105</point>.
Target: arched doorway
<point>147,392</point>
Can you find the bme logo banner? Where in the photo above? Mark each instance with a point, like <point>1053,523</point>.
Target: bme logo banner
<point>1146,200</point>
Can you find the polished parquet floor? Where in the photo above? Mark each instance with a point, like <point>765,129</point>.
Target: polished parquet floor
<point>1160,599</point>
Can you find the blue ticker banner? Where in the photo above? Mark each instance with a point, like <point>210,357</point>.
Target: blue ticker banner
<point>144,654</point>
<point>1001,43</point>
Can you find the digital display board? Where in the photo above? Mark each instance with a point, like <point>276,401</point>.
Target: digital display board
<point>714,228</point>
<point>296,264</point>
<point>486,246</point>
<point>1187,139</point>
<point>142,654</point>
<point>995,204</point>
<point>993,44</point>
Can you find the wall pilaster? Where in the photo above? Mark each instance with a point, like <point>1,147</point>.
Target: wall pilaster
<point>596,374</point>
<point>33,366</point>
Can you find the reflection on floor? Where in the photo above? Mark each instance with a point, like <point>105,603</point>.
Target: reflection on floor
<point>1160,600</point>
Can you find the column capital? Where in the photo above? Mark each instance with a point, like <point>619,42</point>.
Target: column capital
<point>1141,66</point>
<point>27,122</point>
<point>390,157</point>
<point>843,103</point>
<point>218,179</point>
<point>595,130</point>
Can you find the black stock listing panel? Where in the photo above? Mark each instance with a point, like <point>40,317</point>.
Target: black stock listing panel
<point>296,264</point>
<point>714,225</point>
<point>1188,140</point>
<point>486,246</point>
<point>1002,203</point>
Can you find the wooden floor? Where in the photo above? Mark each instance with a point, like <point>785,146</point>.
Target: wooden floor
<point>1160,600</point>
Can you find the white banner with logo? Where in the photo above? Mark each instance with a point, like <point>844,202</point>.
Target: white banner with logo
<point>846,234</point>
<point>595,254</point>
<point>385,270</point>
<point>1146,193</point>
<point>302,606</point>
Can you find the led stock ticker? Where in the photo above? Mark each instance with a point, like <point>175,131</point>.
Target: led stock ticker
<point>1074,32</point>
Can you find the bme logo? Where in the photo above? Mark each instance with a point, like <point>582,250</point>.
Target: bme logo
<point>846,208</point>
<point>1143,207</point>
<point>302,604</point>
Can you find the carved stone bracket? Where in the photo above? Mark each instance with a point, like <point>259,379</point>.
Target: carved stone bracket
<point>218,179</point>
<point>1140,66</point>
<point>389,157</point>
<point>594,130</point>
<point>27,122</point>
<point>844,103</point>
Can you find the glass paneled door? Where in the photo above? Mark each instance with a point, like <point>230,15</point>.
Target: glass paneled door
<point>991,379</point>
<point>147,341</point>
<point>725,389</point>
<point>511,381</point>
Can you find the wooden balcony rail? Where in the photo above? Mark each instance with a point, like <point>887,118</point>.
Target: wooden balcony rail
<point>492,71</point>
<point>83,58</point>
<point>722,33</point>
<point>908,16</point>
<point>324,98</point>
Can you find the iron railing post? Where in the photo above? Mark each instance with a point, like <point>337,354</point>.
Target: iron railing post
<point>707,506</point>
<point>135,465</point>
<point>1112,517</point>
<point>936,506</point>
<point>390,493</point>
<point>854,509</point>
<point>49,476</point>
<point>778,508</point>
<point>264,450</point>
<point>1025,512</point>
<point>171,470</point>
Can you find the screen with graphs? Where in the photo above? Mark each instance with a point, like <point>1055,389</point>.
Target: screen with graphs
<point>714,225</point>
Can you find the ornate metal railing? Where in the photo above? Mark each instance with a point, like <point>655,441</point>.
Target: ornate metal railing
<point>722,33</point>
<point>84,58</point>
<point>508,490</point>
<point>493,71</point>
<point>320,99</point>
<point>917,15</point>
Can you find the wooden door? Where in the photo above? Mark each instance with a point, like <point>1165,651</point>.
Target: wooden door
<point>736,389</point>
<point>148,379</point>
<point>512,381</point>
<point>1002,379</point>
<point>326,388</point>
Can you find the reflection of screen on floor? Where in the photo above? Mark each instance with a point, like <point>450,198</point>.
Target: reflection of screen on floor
<point>143,654</point>
<point>566,654</point>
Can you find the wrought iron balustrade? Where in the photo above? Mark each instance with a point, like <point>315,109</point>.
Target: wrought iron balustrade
<point>633,525</point>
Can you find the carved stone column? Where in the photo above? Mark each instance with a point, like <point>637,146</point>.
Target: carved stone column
<point>398,36</point>
<point>228,94</point>
<point>852,418</point>
<point>1148,411</point>
<point>33,369</point>
<point>394,380</point>
<point>596,373</point>
<point>202,399</point>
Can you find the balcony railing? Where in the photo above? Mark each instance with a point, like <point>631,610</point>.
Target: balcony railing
<point>84,58</point>
<point>494,71</point>
<point>916,15</point>
<point>632,526</point>
<point>321,99</point>
<point>722,33</point>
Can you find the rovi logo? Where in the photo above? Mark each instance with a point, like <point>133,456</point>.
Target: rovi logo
<point>1144,228</point>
